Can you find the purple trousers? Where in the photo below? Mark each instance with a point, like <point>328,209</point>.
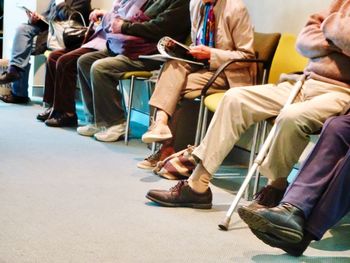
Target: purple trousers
<point>322,188</point>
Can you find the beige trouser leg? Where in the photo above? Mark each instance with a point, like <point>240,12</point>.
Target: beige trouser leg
<point>178,78</point>
<point>238,110</point>
<point>244,106</point>
<point>319,101</point>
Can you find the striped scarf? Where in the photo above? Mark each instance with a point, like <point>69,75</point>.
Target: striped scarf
<point>208,30</point>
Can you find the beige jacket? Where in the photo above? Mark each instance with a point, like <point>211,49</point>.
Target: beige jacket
<point>233,39</point>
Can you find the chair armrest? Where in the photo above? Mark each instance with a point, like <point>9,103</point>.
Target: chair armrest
<point>223,67</point>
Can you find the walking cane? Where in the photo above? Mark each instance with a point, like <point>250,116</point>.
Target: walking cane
<point>260,157</point>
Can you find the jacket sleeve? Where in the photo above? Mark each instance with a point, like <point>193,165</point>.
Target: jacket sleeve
<point>65,9</point>
<point>336,29</point>
<point>242,33</point>
<point>311,41</point>
<point>173,21</point>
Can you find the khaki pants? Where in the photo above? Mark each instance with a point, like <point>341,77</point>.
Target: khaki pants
<point>242,107</point>
<point>177,79</point>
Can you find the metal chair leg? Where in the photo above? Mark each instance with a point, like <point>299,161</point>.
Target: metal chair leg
<point>199,122</point>
<point>128,116</point>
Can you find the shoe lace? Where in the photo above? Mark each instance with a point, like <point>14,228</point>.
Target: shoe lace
<point>178,186</point>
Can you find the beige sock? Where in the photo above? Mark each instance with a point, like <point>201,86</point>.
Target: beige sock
<point>200,178</point>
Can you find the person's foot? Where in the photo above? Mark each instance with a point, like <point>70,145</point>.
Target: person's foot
<point>294,249</point>
<point>156,133</point>
<point>88,130</point>
<point>12,98</point>
<point>44,115</point>
<point>8,77</point>
<point>59,119</point>
<point>181,195</point>
<point>268,196</point>
<point>286,222</point>
<point>151,161</point>
<point>111,134</point>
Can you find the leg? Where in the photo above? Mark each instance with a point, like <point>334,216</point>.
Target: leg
<point>321,188</point>
<point>50,75</point>
<point>238,110</point>
<point>296,122</point>
<point>84,81</point>
<point>182,79</point>
<point>22,45</point>
<point>66,80</point>
<point>105,74</point>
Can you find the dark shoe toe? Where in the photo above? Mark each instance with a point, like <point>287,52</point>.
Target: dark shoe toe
<point>44,115</point>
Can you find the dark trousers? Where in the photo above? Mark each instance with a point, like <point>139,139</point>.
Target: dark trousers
<point>61,78</point>
<point>322,187</point>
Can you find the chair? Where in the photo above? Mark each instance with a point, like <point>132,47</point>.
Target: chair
<point>132,76</point>
<point>286,59</point>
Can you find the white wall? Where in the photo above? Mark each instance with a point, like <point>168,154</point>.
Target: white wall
<point>282,15</point>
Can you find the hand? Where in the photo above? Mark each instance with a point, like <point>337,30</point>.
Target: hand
<point>96,15</point>
<point>200,52</point>
<point>33,17</point>
<point>116,26</point>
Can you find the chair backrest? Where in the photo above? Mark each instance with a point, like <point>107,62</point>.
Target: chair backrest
<point>265,45</point>
<point>286,59</point>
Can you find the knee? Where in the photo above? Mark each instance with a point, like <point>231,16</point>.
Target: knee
<point>97,68</point>
<point>82,63</point>
<point>336,125</point>
<point>290,118</point>
<point>235,98</point>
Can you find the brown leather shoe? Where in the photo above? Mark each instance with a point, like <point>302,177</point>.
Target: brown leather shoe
<point>8,77</point>
<point>181,195</point>
<point>11,98</point>
<point>58,119</point>
<point>268,196</point>
<point>44,115</point>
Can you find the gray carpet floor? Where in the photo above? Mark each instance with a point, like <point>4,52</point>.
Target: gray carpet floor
<point>68,198</point>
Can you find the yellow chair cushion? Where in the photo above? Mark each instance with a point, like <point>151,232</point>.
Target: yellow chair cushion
<point>138,74</point>
<point>212,101</point>
<point>286,59</point>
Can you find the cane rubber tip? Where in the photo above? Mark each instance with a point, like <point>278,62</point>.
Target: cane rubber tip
<point>223,227</point>
<point>225,223</point>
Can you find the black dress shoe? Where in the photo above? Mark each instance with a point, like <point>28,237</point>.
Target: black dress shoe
<point>62,120</point>
<point>284,221</point>
<point>8,77</point>
<point>181,195</point>
<point>44,115</point>
<point>11,98</point>
<point>294,249</point>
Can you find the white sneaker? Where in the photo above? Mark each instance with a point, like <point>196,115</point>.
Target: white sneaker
<point>111,134</point>
<point>156,133</point>
<point>88,130</point>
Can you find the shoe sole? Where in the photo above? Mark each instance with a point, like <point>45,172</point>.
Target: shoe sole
<point>145,167</point>
<point>273,242</point>
<point>62,126</point>
<point>191,205</point>
<point>151,139</point>
<point>259,223</point>
<point>108,140</point>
